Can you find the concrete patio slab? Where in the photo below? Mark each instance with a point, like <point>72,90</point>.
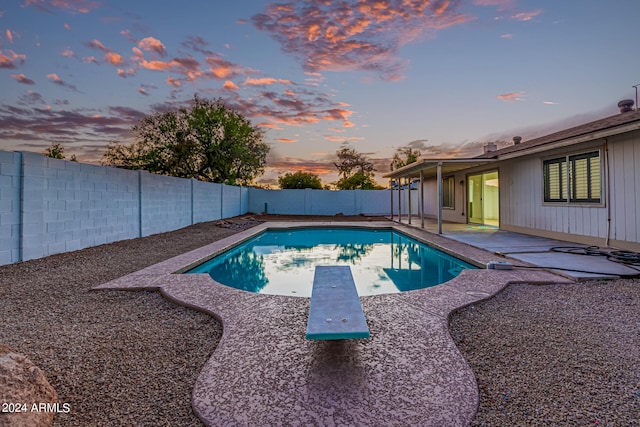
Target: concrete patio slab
<point>264,371</point>
<point>533,250</point>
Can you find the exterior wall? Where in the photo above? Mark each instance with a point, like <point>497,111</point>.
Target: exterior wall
<point>319,202</point>
<point>624,167</point>
<point>9,207</point>
<point>49,206</point>
<point>165,202</point>
<point>67,206</point>
<point>522,207</point>
<point>430,200</point>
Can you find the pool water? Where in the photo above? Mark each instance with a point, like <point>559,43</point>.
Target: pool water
<point>282,262</point>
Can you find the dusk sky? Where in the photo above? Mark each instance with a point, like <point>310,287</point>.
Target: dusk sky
<point>442,76</point>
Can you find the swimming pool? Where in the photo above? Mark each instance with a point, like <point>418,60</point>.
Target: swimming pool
<point>282,262</point>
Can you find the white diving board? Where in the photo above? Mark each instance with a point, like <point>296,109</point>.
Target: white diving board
<point>335,312</point>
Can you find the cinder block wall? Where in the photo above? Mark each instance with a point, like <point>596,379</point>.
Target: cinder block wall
<point>319,202</point>
<point>67,206</point>
<point>9,207</point>
<point>48,206</point>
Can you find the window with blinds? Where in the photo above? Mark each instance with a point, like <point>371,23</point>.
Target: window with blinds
<point>573,179</point>
<point>448,193</point>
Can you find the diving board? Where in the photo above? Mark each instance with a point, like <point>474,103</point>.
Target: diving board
<point>335,312</point>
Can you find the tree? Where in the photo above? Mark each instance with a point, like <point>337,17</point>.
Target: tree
<point>56,151</point>
<point>299,180</point>
<point>208,141</point>
<point>410,156</point>
<point>349,160</point>
<point>359,180</point>
<point>355,170</point>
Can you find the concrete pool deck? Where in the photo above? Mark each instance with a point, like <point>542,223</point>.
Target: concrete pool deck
<point>264,371</point>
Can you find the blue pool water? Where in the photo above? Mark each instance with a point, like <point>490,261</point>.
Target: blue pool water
<point>282,262</point>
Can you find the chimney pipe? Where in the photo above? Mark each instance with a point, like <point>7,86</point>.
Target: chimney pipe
<point>517,140</point>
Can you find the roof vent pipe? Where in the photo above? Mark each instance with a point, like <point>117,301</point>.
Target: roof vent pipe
<point>490,146</point>
<point>625,105</point>
<point>517,140</point>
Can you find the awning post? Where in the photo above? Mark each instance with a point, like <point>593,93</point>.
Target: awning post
<point>409,200</point>
<point>421,199</point>
<point>439,178</point>
<point>399,200</point>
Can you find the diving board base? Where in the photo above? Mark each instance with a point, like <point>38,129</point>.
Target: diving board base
<point>335,311</point>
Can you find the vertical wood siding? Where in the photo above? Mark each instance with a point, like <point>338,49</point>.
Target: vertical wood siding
<point>521,188</point>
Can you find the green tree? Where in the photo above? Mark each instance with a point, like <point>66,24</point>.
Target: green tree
<point>359,180</point>
<point>299,180</point>
<point>410,156</point>
<point>208,141</point>
<point>350,161</point>
<point>56,151</point>
<point>355,170</point>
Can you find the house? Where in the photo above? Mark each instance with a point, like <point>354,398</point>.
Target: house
<point>580,184</point>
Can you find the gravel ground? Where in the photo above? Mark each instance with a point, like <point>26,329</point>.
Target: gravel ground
<point>555,355</point>
<point>543,355</point>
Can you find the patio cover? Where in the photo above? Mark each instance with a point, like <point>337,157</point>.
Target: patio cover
<point>429,168</point>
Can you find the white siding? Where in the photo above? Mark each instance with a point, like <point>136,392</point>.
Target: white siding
<point>522,204</point>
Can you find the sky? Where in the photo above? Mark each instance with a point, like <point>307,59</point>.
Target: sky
<point>440,76</point>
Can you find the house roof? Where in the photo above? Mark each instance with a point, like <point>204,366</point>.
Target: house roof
<point>429,167</point>
<point>608,126</point>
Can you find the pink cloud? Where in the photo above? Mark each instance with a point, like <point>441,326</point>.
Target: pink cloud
<point>21,78</point>
<point>68,53</point>
<point>364,35</point>
<point>173,82</point>
<point>73,6</point>
<point>54,78</point>
<point>97,44</point>
<point>154,45</point>
<point>126,73</point>
<point>526,16</point>
<point>286,140</point>
<point>512,96</point>
<point>9,59</point>
<point>492,2</point>
<point>113,58</point>
<point>9,36</point>
<point>231,86</point>
<point>57,80</point>
<point>265,81</point>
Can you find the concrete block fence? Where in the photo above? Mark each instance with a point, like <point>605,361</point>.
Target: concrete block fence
<point>319,202</point>
<point>49,206</point>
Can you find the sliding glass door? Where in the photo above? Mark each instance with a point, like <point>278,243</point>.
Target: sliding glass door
<point>483,199</point>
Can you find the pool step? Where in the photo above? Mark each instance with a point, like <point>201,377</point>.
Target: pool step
<point>335,311</point>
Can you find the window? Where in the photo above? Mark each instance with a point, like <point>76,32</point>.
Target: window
<point>448,193</point>
<point>573,179</point>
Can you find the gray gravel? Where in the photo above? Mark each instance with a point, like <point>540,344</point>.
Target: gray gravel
<point>555,355</point>
<point>119,358</point>
<point>543,355</point>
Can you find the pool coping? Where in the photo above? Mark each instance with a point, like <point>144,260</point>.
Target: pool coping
<point>264,371</point>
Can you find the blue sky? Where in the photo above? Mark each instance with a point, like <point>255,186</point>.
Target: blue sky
<point>442,76</point>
